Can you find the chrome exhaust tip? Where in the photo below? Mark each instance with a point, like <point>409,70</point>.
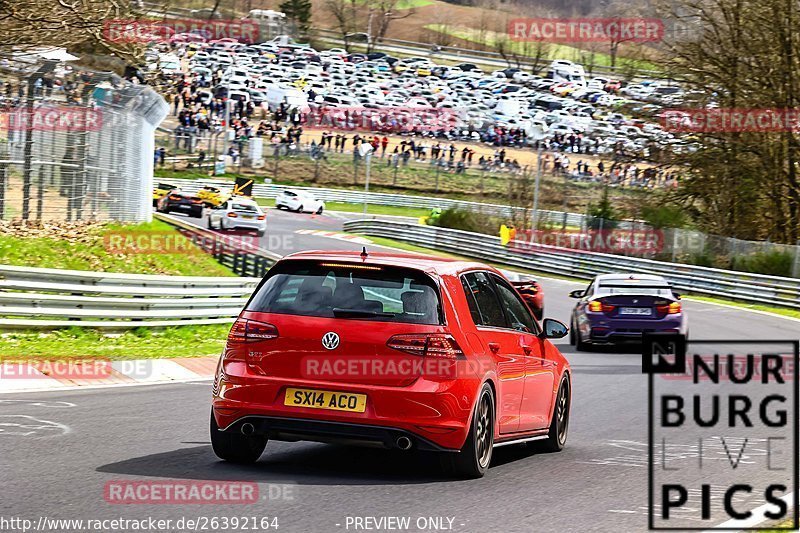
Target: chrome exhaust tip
<point>404,443</point>
<point>248,429</point>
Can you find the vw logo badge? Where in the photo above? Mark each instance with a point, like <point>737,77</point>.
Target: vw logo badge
<point>330,340</point>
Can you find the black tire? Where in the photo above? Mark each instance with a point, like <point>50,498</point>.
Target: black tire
<point>559,425</point>
<point>476,455</point>
<point>319,211</point>
<point>572,333</point>
<point>208,223</point>
<point>299,208</point>
<point>196,213</point>
<point>279,206</point>
<point>580,344</point>
<point>235,447</point>
<point>261,233</point>
<point>539,314</point>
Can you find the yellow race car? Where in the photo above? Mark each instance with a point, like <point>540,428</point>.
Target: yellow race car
<point>211,196</point>
<point>160,191</point>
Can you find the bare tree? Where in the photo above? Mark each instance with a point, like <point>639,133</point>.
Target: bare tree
<point>385,12</point>
<point>73,24</point>
<point>344,15</point>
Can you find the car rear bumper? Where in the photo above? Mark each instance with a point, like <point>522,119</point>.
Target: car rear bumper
<point>631,331</point>
<point>438,412</point>
<point>185,208</point>
<point>298,429</point>
<point>260,225</point>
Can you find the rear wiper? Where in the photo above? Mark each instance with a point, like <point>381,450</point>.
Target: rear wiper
<point>338,312</point>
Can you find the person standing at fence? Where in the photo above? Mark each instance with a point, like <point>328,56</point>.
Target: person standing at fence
<point>69,183</point>
<point>384,144</point>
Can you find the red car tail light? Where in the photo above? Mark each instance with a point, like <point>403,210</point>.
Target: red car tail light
<point>175,197</point>
<point>262,217</point>
<point>232,215</point>
<point>244,330</point>
<point>672,308</point>
<point>427,345</point>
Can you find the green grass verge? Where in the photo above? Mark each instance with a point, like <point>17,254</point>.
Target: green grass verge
<point>89,252</point>
<point>793,313</point>
<point>165,174</point>
<point>374,209</point>
<point>547,51</point>
<point>139,343</point>
<point>419,249</point>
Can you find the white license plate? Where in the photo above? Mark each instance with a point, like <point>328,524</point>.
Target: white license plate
<point>637,311</point>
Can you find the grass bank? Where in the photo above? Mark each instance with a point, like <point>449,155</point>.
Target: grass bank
<point>140,343</point>
<point>88,247</point>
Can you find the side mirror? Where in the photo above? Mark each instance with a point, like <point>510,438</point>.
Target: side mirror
<point>577,294</point>
<point>553,329</point>
<point>677,295</point>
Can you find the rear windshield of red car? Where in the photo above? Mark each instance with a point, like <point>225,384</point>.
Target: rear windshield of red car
<point>349,291</point>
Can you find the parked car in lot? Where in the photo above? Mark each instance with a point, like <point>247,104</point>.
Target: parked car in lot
<point>399,351</point>
<point>300,201</point>
<point>619,308</point>
<point>177,200</point>
<point>238,213</point>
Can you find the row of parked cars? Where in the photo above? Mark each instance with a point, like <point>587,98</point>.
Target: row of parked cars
<point>563,101</point>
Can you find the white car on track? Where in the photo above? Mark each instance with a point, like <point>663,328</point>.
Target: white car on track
<point>238,213</point>
<point>300,201</point>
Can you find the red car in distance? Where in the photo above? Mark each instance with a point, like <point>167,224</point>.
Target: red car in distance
<point>532,293</point>
<point>391,350</point>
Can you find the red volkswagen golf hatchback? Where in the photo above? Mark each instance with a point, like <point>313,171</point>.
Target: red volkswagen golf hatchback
<point>390,350</point>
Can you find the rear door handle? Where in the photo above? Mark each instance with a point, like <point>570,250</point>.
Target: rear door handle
<point>494,347</point>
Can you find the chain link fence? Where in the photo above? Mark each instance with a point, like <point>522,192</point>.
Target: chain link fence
<point>75,144</point>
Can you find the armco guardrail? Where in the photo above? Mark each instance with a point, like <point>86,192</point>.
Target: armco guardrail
<point>742,286</point>
<point>376,198</point>
<point>243,258</point>
<point>44,298</point>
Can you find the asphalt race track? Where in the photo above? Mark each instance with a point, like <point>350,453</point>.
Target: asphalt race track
<point>59,466</point>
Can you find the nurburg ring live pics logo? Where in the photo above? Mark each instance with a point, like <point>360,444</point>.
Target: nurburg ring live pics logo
<point>722,433</point>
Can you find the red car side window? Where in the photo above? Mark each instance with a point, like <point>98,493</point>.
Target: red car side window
<point>480,287</point>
